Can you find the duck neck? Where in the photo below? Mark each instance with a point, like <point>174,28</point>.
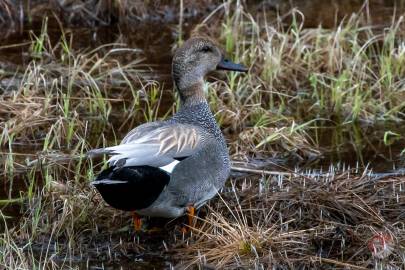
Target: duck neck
<point>191,94</point>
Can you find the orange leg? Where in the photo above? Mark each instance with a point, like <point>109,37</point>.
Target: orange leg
<point>137,222</point>
<point>191,217</point>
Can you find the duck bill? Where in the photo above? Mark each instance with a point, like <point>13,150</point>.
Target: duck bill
<point>226,64</point>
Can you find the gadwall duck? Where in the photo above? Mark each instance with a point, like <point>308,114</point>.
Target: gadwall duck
<point>169,168</point>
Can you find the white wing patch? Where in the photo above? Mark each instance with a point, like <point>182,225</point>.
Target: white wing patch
<point>169,167</point>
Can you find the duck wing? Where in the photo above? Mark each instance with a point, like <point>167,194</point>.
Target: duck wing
<point>154,144</point>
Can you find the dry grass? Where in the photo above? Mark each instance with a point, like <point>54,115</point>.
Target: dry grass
<point>303,222</point>
<point>309,93</point>
<point>309,88</point>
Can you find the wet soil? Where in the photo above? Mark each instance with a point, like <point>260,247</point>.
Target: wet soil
<point>155,36</point>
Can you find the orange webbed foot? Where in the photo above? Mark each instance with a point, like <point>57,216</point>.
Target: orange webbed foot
<point>137,222</point>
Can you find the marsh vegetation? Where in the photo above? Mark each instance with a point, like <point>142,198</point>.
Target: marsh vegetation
<point>315,132</point>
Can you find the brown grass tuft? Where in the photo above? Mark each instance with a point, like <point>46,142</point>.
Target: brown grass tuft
<point>302,221</point>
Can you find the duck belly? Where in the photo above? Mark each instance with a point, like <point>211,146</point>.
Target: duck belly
<point>163,209</point>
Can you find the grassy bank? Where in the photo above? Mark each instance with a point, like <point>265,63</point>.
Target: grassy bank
<point>312,96</point>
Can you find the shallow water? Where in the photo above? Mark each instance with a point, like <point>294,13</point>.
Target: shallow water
<point>156,48</point>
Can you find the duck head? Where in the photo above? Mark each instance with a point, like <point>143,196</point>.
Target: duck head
<point>191,62</point>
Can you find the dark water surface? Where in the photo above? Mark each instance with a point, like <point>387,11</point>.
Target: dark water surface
<point>155,37</point>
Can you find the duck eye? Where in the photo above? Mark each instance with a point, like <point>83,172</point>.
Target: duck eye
<point>205,49</point>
